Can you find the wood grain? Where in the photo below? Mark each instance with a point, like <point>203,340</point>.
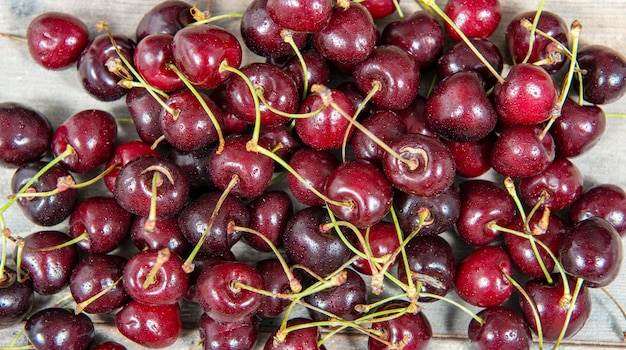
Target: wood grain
<point>58,95</point>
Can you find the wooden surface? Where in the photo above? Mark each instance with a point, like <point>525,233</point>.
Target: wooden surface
<point>59,95</point>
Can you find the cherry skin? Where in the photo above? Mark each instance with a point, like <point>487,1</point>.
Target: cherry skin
<point>240,335</point>
<point>56,328</point>
<point>520,152</point>
<point>476,19</point>
<point>443,211</point>
<point>155,326</point>
<point>16,298</point>
<point>195,166</point>
<point>269,214</point>
<point>275,281</point>
<point>592,250</point>
<point>502,328</point>
<point>561,181</point>
<point>414,117</point>
<point>48,210</point>
<point>282,140</point>
<point>301,15</point>
<point>299,339</point>
<point>395,70</point>
<point>318,70</point>
<point>340,300</point>
<point>152,58</point>
<point>605,81</point>
<point>124,153</point>
<point>413,330</point>
<point>93,275</point>
<point>386,125</point>
<point>461,59</point>
<point>578,129</point>
<point>379,8</point>
<point>472,159</point>
<point>382,239</point>
<point>604,200</point>
<point>105,222</point>
<point>458,109</point>
<point>165,234</point>
<point>25,134</point>
<point>168,17</point>
<point>145,112</point>
<point>479,277</point>
<point>109,345</point>
<point>314,166</point>
<point>92,133</point>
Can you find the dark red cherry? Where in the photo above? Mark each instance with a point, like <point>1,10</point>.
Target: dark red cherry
<point>349,37</point>
<point>480,277</point>
<point>109,345</point>
<point>16,298</point>
<point>93,69</point>
<point>152,58</point>
<point>472,159</point>
<point>414,117</point>
<point>443,211</point>
<point>314,166</point>
<point>122,154</point>
<point>145,112</point>
<point>548,300</point>
<point>385,125</point>
<point>502,328</point>
<point>282,140</point>
<point>298,339</point>
<point>221,298</point>
<point>475,18</point>
<point>458,109</point>
<point>105,222</point>
<point>275,281</point>
<point>365,190</point>
<point>56,328</point>
<point>95,274</point>
<point>340,300</point>
<point>269,214</point>
<point>396,71</point>
<point>49,270</point>
<point>47,210</point>
<point>154,326</point>
<point>307,16</point>
<point>25,134</point>
<point>200,50</point>
<point>419,34</point>
<point>92,133</point>
<point>382,239</point>
<point>413,330</point>
<point>578,129</point>
<point>380,8</point>
<point>318,71</point>
<point>56,40</point>
<point>606,201</point>
<point>592,250</point>
<point>240,335</point>
<point>561,181</point>
<point>461,59</point>
<point>165,234</point>
<point>526,96</point>
<point>195,166</point>
<point>167,17</point>
<point>520,152</point>
<point>605,80</point>
<point>518,39</point>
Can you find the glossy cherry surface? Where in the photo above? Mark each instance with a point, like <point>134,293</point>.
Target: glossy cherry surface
<point>476,19</point>
<point>604,200</point>
<point>167,17</point>
<point>412,329</point>
<point>154,326</point>
<point>502,328</point>
<point>25,134</point>
<point>605,81</point>
<point>56,328</point>
<point>480,277</point>
<point>16,298</point>
<point>240,335</point>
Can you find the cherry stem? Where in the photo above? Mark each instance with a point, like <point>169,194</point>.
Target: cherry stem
<point>533,29</point>
<point>365,308</point>
<point>544,196</point>
<point>74,240</point>
<point>460,306</point>
<point>294,284</point>
<point>533,307</point>
<point>509,185</point>
<point>287,36</point>
<point>150,223</point>
<point>14,38</point>
<point>570,310</point>
<point>376,87</point>
<point>162,257</point>
<point>259,93</point>
<point>188,264</point>
<point>216,18</point>
<point>3,257</point>
<point>204,105</point>
<point>18,258</point>
<point>82,305</point>
<point>398,9</point>
<point>402,250</point>
<point>431,4</point>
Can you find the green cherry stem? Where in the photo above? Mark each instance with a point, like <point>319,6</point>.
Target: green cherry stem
<point>570,310</point>
<point>533,307</point>
<point>533,29</point>
<point>216,18</point>
<point>287,36</point>
<point>376,87</point>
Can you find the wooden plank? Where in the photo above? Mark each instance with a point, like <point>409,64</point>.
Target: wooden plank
<point>59,95</point>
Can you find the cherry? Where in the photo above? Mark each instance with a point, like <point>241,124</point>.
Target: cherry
<point>397,73</point>
<point>412,330</point>
<point>297,339</point>
<point>51,209</point>
<point>122,154</point>
<point>306,242</point>
<point>414,117</point>
<point>195,218</point>
<point>431,262</point>
<point>544,50</point>
<point>145,111</point>
<point>578,129</point>
<point>190,127</point>
<point>199,51</point>
<point>526,96</point>
<point>93,69</point>
<point>592,250</point>
<point>56,40</point>
<point>548,301</point>
<point>340,300</point>
<point>134,186</point>
<point>200,263</point>
<point>472,159</point>
<point>239,335</point>
<point>318,71</point>
<point>263,36</point>
<point>16,298</point>
<point>49,270</point>
<point>380,8</point>
<point>195,166</point>
<point>475,18</point>
<point>502,328</point>
<point>431,170</point>
<point>386,125</point>
<point>382,240</point>
<point>25,134</point>
<point>104,221</point>
<point>458,109</point>
<point>232,123</point>
<point>521,152</point>
<point>155,326</point>
<point>606,201</point>
<point>275,281</point>
<point>152,58</point>
<point>91,133</point>
<point>605,78</point>
<point>308,16</point>
<point>109,345</point>
<point>443,211</point>
<point>167,17</point>
<point>562,182</point>
<point>222,295</point>
<point>459,58</point>
<point>348,38</point>
<point>165,234</point>
<point>56,328</point>
<point>480,277</point>
<point>95,274</point>
<point>269,214</point>
<point>353,93</point>
<point>282,140</point>
<point>420,35</point>
<point>314,166</point>
<point>364,187</point>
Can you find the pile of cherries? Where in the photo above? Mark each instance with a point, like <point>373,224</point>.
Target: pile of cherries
<point>349,173</point>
